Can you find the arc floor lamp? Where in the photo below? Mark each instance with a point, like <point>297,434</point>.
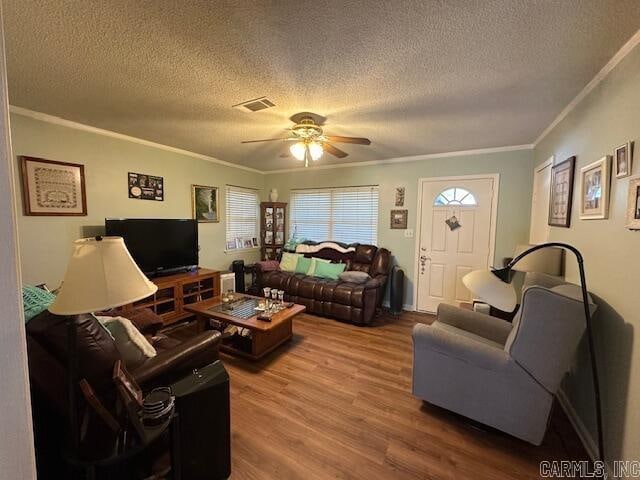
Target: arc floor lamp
<point>494,287</point>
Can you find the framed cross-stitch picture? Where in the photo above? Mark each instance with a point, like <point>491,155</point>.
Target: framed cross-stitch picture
<point>52,188</point>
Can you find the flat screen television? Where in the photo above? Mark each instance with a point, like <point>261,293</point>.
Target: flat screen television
<point>159,246</point>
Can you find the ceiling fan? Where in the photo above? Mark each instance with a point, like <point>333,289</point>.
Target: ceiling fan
<point>310,140</point>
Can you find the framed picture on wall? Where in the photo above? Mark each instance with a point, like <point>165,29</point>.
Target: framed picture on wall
<point>633,204</point>
<point>146,187</point>
<point>622,160</point>
<point>204,203</point>
<point>594,189</point>
<point>561,193</point>
<point>399,219</point>
<point>53,188</point>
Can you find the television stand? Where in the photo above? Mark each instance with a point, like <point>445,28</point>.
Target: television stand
<point>177,290</point>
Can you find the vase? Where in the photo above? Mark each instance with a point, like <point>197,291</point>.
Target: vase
<point>273,195</point>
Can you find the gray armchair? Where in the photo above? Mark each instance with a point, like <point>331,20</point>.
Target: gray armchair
<point>501,374</point>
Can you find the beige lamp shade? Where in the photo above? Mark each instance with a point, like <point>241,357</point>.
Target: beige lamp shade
<point>546,260</point>
<point>101,274</point>
<point>490,289</point>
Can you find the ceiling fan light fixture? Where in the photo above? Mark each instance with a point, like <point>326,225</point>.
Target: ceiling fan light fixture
<point>298,150</point>
<point>315,150</point>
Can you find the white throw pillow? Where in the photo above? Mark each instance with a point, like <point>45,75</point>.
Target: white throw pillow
<point>131,344</point>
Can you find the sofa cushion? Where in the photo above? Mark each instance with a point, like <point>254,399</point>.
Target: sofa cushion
<point>303,265</point>
<point>355,277</point>
<point>96,349</point>
<point>329,270</point>
<point>314,261</point>
<point>289,261</point>
<point>132,345</point>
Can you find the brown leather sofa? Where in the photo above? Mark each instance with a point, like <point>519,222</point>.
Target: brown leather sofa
<point>355,303</point>
<point>178,354</point>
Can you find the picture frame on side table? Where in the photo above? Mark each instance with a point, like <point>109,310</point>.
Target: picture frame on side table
<point>51,188</point>
<point>204,204</point>
<point>595,179</point>
<point>633,204</point>
<point>561,193</point>
<point>622,159</point>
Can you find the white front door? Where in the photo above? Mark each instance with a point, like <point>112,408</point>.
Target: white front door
<point>456,235</point>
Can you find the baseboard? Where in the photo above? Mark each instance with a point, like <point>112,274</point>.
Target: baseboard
<point>406,307</point>
<point>584,435</point>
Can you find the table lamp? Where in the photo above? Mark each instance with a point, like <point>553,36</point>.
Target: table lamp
<point>101,274</point>
<point>494,288</point>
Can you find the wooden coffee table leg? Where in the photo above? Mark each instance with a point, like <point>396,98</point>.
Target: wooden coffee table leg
<point>202,322</point>
<point>264,342</point>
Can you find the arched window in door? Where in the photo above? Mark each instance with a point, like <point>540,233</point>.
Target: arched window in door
<point>455,196</point>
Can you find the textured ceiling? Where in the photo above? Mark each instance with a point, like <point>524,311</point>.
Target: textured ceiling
<point>416,77</point>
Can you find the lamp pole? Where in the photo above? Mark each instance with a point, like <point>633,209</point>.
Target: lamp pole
<point>504,275</point>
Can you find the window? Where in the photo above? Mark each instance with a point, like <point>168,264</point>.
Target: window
<point>242,214</point>
<point>455,196</point>
<point>346,215</point>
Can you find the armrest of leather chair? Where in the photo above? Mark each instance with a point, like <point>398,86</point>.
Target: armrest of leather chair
<point>195,352</point>
<point>486,326</point>
<point>376,282</point>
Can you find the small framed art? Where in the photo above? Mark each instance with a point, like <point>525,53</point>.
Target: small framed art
<point>622,160</point>
<point>146,187</point>
<point>561,193</point>
<point>53,188</point>
<point>399,219</point>
<point>594,189</point>
<point>633,204</point>
<point>204,203</point>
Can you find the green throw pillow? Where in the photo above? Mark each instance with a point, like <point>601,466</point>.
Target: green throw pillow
<point>314,262</point>
<point>303,265</point>
<point>329,270</point>
<point>35,301</point>
<point>289,261</point>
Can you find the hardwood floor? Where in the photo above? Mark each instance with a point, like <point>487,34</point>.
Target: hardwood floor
<point>336,402</point>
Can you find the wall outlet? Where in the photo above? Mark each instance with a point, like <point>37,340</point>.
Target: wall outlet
<point>408,233</point>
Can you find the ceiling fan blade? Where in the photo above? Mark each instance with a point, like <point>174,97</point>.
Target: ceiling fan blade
<point>267,140</point>
<point>357,140</point>
<point>336,152</point>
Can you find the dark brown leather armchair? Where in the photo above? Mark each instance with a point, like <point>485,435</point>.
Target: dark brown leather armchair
<point>177,354</point>
<point>356,303</point>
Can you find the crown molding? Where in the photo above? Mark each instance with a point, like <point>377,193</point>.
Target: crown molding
<point>595,81</point>
<point>412,158</point>
<point>44,117</point>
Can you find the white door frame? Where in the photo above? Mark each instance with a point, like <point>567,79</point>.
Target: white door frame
<point>16,446</point>
<point>538,168</point>
<point>492,231</point>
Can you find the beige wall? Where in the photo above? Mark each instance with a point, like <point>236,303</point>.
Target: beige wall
<point>607,117</point>
<point>45,242</point>
<point>514,202</point>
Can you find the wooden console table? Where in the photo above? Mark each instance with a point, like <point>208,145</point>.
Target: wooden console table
<point>176,291</point>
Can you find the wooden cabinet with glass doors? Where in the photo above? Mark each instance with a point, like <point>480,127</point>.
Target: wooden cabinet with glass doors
<point>273,217</point>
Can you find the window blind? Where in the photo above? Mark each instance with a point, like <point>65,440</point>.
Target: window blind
<point>346,215</point>
<point>242,213</point>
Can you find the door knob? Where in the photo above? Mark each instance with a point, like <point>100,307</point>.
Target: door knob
<point>423,263</point>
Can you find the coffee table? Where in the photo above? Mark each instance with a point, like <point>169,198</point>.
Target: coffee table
<point>265,336</point>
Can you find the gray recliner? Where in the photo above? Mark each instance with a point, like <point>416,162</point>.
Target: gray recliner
<point>501,374</point>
